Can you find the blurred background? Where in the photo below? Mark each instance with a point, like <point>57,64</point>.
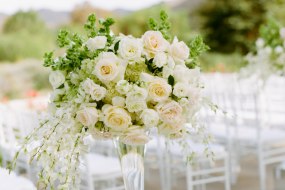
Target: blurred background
<point>28,29</point>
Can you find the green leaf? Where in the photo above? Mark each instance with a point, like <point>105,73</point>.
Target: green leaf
<point>197,47</point>
<point>116,47</point>
<point>90,26</point>
<point>163,25</point>
<point>62,38</point>
<point>171,80</point>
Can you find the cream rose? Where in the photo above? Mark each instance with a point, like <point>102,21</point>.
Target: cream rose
<point>99,42</point>
<point>179,51</point>
<point>87,116</point>
<point>154,42</point>
<point>56,79</point>
<point>180,90</point>
<point>107,68</point>
<point>160,59</point>
<point>150,118</point>
<point>170,112</point>
<point>135,135</point>
<point>169,129</point>
<point>117,118</point>
<point>130,48</point>
<point>159,90</point>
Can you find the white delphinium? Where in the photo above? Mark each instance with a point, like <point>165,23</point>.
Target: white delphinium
<point>96,91</point>
<point>56,79</point>
<point>181,89</point>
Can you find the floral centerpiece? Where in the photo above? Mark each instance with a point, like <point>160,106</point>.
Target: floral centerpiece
<point>269,55</point>
<point>114,87</point>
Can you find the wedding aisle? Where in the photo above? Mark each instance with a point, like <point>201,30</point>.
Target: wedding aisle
<point>247,180</point>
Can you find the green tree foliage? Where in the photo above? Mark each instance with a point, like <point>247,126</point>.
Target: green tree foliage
<point>134,23</point>
<point>276,10</point>
<point>231,25</point>
<point>27,21</point>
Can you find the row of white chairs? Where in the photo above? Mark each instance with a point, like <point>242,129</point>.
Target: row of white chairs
<point>254,121</point>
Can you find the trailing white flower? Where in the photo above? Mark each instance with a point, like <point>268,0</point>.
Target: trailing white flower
<point>98,42</point>
<point>56,79</point>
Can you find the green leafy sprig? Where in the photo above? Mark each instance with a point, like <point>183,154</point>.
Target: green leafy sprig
<point>163,25</point>
<point>270,32</point>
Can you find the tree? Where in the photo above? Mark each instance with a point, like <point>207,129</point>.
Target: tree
<point>24,21</point>
<point>231,25</point>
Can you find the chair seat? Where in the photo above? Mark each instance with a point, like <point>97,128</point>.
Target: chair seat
<point>100,165</point>
<point>13,182</point>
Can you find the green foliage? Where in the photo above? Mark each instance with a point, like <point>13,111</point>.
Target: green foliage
<point>275,9</point>
<point>270,33</point>
<point>75,53</point>
<point>163,26</point>
<point>197,47</point>
<point>179,22</point>
<point>24,21</point>
<point>230,25</point>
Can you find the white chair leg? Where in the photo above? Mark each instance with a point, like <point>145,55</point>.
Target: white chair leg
<point>189,178</point>
<point>262,171</point>
<point>227,173</point>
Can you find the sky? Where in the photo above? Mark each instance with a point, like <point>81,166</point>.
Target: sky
<point>11,6</point>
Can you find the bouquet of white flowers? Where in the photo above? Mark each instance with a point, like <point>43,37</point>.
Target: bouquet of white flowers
<point>269,56</point>
<point>111,86</point>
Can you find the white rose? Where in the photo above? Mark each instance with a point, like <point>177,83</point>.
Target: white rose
<point>170,112</point>
<point>169,129</point>
<point>180,73</point>
<point>99,42</point>
<point>117,118</point>
<point>135,104</point>
<point>87,116</point>
<point>123,87</point>
<point>170,62</point>
<point>130,48</point>
<point>108,67</point>
<point>159,90</point>
<point>56,79</point>
<point>160,59</point>
<point>180,90</point>
<point>149,117</point>
<point>282,33</point>
<point>154,42</point>
<point>118,101</point>
<point>179,51</point>
<point>135,136</point>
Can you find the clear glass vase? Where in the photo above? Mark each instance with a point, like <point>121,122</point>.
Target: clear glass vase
<point>132,164</point>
